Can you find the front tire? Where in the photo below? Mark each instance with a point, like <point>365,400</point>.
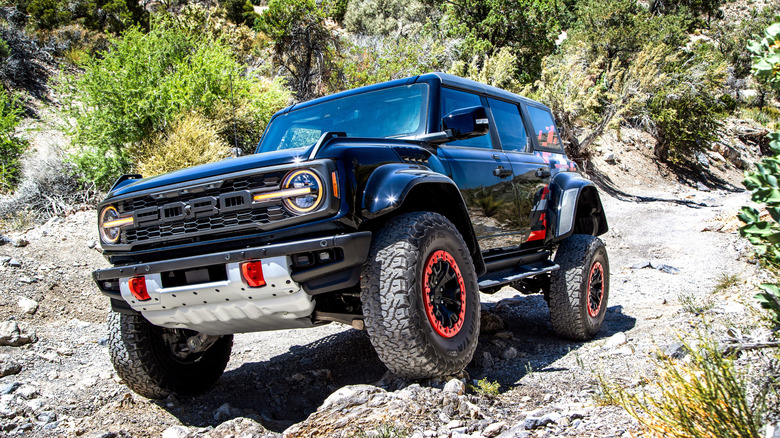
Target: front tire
<point>579,290</point>
<point>420,297</point>
<point>142,356</point>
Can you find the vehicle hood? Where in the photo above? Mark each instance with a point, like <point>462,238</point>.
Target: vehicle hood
<point>226,166</point>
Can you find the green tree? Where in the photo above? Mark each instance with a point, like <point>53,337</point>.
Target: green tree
<point>11,145</point>
<point>49,14</point>
<point>240,11</point>
<point>528,27</point>
<point>303,45</point>
<point>763,233</point>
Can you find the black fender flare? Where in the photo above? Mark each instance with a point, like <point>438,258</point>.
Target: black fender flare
<point>572,199</point>
<point>397,188</point>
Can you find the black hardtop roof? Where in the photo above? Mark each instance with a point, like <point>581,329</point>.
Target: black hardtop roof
<point>445,79</point>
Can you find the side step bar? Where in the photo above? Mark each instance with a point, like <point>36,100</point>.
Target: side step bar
<point>494,280</point>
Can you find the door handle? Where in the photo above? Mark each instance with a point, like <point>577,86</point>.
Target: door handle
<point>501,172</point>
<point>543,173</point>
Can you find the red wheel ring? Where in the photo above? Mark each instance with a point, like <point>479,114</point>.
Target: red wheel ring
<point>595,289</point>
<point>444,294</point>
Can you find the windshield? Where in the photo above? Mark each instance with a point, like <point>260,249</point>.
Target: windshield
<point>392,112</point>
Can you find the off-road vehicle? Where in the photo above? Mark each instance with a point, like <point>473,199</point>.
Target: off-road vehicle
<point>387,208</point>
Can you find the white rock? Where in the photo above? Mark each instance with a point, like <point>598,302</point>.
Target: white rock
<point>455,386</point>
<point>27,392</point>
<point>176,432</point>
<point>615,340</point>
<point>493,430</point>
<point>509,353</point>
<point>28,305</point>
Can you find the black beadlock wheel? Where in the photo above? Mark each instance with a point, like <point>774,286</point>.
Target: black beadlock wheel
<point>420,297</point>
<point>579,290</point>
<point>142,356</point>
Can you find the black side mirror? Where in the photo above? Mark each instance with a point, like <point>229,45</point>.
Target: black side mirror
<point>466,122</point>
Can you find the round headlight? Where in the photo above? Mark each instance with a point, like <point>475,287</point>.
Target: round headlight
<point>309,185</point>
<point>111,234</point>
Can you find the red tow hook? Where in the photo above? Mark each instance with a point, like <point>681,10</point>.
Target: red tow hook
<point>138,288</point>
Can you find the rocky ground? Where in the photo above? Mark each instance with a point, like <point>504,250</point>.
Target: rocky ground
<point>670,247</point>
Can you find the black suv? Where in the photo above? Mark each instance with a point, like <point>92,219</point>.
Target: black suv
<point>387,208</point>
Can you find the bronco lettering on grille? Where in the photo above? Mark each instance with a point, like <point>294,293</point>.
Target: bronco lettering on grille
<point>195,208</point>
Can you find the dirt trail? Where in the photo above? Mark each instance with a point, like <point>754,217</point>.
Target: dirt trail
<point>67,386</point>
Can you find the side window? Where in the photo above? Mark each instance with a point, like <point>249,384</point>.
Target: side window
<point>509,125</point>
<point>544,128</point>
<point>452,100</point>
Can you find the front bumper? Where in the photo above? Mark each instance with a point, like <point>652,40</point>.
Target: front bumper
<point>227,304</point>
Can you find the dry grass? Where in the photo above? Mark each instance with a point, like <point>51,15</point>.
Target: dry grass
<point>191,141</point>
<point>702,396</point>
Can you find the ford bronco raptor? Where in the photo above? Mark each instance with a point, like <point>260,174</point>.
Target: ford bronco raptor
<point>387,208</point>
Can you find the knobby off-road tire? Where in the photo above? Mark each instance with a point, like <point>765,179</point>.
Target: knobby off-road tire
<point>146,363</point>
<point>415,339</point>
<point>579,290</point>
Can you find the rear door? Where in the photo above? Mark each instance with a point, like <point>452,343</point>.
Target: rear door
<point>531,174</point>
<point>483,174</point>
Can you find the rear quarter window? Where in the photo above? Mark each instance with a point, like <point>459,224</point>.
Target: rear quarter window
<point>544,129</point>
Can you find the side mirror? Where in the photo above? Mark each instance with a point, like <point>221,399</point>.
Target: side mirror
<point>466,122</point>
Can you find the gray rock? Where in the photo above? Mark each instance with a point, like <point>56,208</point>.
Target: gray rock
<point>28,305</point>
<point>772,431</point>
<point>702,159</point>
<point>532,422</point>
<point>455,386</point>
<point>615,340</point>
<point>20,243</point>
<point>12,335</point>
<point>509,353</point>
<point>27,280</point>
<point>493,429</point>
<point>46,416</point>
<point>664,268</point>
<point>240,427</point>
<point>27,392</point>
<point>8,368</point>
<point>485,360</point>
<point>9,388</point>
<point>14,263</point>
<point>551,418</point>
<point>350,396</point>
<point>700,186</point>
<point>490,323</point>
<point>675,350</point>
<point>176,432</point>
<point>517,431</point>
<point>609,157</point>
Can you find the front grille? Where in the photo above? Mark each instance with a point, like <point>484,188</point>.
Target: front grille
<point>216,224</point>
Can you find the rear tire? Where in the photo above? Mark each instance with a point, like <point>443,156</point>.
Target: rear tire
<point>144,360</point>
<point>579,290</point>
<point>420,297</point>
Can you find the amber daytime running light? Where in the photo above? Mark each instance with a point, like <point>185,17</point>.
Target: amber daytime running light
<point>110,223</point>
<point>302,191</point>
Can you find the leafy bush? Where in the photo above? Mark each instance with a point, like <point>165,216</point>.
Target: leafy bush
<point>687,114</point>
<point>100,15</point>
<point>386,17</point>
<point>369,60</point>
<point>190,141</point>
<point>139,87</point>
<point>763,182</point>
<point>703,397</point>
<point>240,11</point>
<point>11,145</point>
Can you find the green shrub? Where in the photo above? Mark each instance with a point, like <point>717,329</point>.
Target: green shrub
<point>240,11</point>
<point>11,145</point>
<point>386,17</point>
<point>763,182</point>
<point>5,51</point>
<point>138,88</point>
<point>371,60</point>
<point>48,14</point>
